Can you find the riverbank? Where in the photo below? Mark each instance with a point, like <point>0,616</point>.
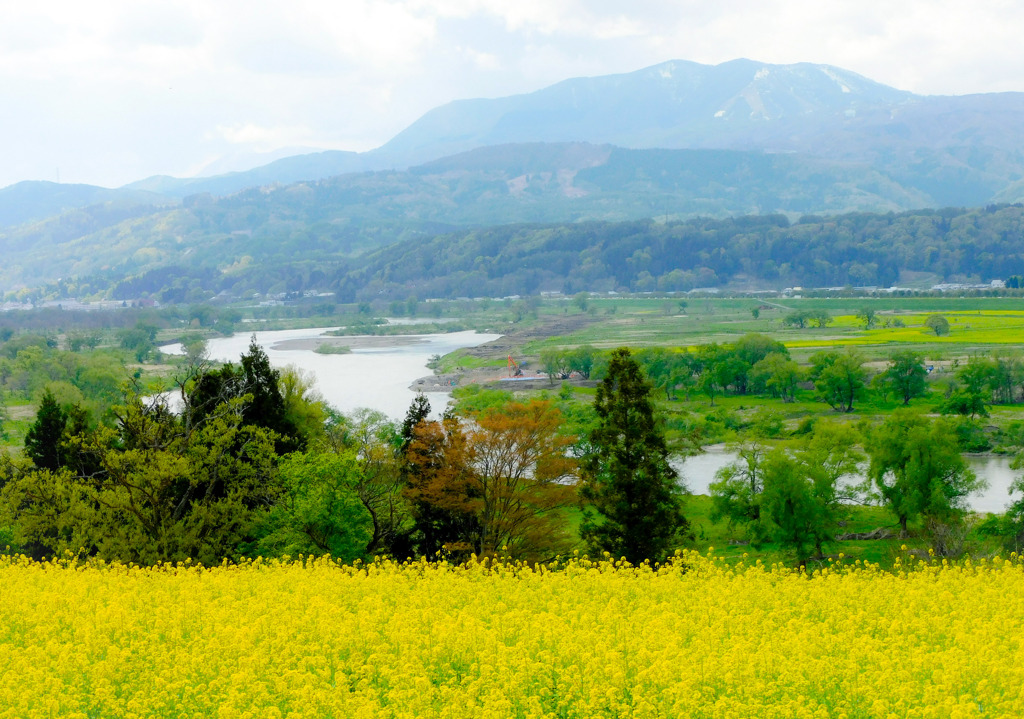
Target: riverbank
<point>487,362</point>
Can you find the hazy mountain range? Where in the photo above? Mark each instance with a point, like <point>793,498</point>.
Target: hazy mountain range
<point>675,140</point>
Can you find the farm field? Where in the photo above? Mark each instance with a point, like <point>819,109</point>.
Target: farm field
<point>975,324</point>
<point>700,639</point>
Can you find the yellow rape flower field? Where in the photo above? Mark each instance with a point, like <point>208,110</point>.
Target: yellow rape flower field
<point>584,640</point>
<point>972,328</point>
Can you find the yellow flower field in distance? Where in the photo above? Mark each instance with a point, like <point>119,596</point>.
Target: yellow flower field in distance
<point>980,327</point>
<point>585,640</point>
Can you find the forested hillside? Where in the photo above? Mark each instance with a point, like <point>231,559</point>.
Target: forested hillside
<point>350,214</point>
<point>854,249</point>
<point>34,201</point>
<point>767,251</point>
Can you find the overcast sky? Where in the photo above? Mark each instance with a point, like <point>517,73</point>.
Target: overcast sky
<point>107,92</point>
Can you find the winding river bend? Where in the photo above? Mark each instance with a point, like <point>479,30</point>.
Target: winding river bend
<point>377,373</point>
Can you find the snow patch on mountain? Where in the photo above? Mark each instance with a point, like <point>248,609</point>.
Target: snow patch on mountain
<point>836,79</point>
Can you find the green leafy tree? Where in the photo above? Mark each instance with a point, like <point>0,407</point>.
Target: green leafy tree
<point>867,316</point>
<point>5,417</point>
<point>713,370</point>
<point>377,442</point>
<point>937,324</point>
<point>970,396</point>
<point>265,404</point>
<point>1006,372</point>
<point>195,349</point>
<point>555,364</point>
<point>581,360</point>
<point>737,489</point>
<point>139,341</point>
<point>1010,526</point>
<point>666,369</point>
<point>304,407</point>
<point>798,319</point>
<point>707,382</point>
<point>966,402</point>
<point>839,378</point>
<point>825,459</point>
<point>633,502</point>
<point>754,347</point>
<point>202,315</point>
<point>821,318</point>
<point>792,515</point>
<point>160,492</point>
<point>794,498</point>
<point>779,375</point>
<point>917,469</point>
<point>318,510</point>
<point>906,375</point>
<point>799,509</point>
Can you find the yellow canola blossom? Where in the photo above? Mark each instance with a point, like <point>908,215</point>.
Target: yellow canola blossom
<point>696,639</point>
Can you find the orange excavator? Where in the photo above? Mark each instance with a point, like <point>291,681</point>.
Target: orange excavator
<point>513,368</point>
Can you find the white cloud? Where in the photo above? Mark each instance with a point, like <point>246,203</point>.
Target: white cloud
<point>263,138</point>
<point>482,60</point>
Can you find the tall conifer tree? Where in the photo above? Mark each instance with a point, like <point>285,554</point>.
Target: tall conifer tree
<point>628,481</point>
<point>44,437</point>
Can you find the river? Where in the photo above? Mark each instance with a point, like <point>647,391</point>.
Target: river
<point>377,373</point>
<point>699,471</point>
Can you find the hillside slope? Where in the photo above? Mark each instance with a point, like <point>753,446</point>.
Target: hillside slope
<point>352,213</point>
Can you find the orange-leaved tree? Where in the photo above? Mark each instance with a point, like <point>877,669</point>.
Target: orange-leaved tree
<point>439,487</point>
<point>524,478</point>
<point>498,483</point>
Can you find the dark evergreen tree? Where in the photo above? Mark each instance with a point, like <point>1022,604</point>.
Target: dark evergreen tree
<point>418,411</point>
<point>406,542</point>
<point>628,481</point>
<point>44,439</point>
<point>255,377</point>
<point>208,391</point>
<point>267,406</point>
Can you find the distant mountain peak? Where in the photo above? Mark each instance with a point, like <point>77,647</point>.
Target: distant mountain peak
<point>674,104</point>
<point>955,150</point>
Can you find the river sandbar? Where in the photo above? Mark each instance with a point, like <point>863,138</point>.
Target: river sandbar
<point>355,342</point>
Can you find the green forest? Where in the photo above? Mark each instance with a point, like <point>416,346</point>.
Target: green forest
<point>749,252</point>
<point>760,251</point>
